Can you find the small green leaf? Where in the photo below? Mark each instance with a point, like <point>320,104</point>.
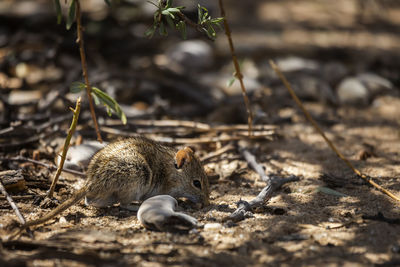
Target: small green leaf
<point>167,13</point>
<point>173,10</point>
<point>58,11</point>
<point>199,14</point>
<point>231,81</point>
<point>329,191</point>
<point>95,98</point>
<point>77,87</point>
<point>110,103</point>
<point>162,30</point>
<point>71,15</point>
<point>181,26</point>
<point>169,3</point>
<point>170,22</point>
<point>150,32</point>
<point>217,20</point>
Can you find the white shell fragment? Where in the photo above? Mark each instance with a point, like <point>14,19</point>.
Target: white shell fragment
<point>158,213</point>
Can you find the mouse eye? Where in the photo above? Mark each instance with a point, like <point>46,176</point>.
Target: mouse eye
<point>197,184</point>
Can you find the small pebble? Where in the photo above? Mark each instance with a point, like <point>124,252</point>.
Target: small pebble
<point>212,226</point>
<point>62,220</point>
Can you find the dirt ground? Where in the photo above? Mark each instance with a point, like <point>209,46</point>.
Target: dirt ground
<point>330,217</point>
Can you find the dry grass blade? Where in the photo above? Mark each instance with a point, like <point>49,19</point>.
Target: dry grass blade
<point>66,146</point>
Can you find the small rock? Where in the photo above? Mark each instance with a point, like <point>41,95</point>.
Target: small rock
<point>212,226</point>
<point>375,84</point>
<point>292,64</point>
<point>334,72</point>
<point>62,220</point>
<point>352,91</point>
<point>316,89</point>
<point>193,55</point>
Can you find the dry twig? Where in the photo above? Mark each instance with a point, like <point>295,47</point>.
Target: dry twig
<point>48,166</point>
<point>268,135</point>
<point>66,146</point>
<point>84,68</point>
<point>14,206</point>
<point>238,73</point>
<point>245,208</point>
<point>218,152</point>
<point>319,130</point>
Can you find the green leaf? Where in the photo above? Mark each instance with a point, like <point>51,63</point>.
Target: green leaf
<point>162,30</point>
<point>231,81</point>
<point>77,87</point>
<point>165,12</point>
<point>170,22</point>
<point>329,191</point>
<point>71,15</point>
<point>173,10</point>
<point>110,104</point>
<point>217,20</point>
<point>199,14</point>
<point>169,3</point>
<point>58,11</point>
<point>181,26</point>
<point>150,32</point>
<point>96,99</point>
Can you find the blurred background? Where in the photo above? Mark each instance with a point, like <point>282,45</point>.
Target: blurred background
<point>336,53</point>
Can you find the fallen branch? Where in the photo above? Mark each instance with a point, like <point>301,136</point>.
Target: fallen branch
<point>268,135</point>
<point>238,73</point>
<point>252,162</point>
<point>319,130</point>
<point>14,206</point>
<point>244,208</point>
<point>66,146</point>
<point>48,166</point>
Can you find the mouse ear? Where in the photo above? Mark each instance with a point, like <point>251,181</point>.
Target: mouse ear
<point>182,156</point>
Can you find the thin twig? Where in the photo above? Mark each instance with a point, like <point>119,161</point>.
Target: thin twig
<point>84,69</point>
<point>268,135</point>
<point>194,25</point>
<point>319,130</point>
<point>66,146</point>
<point>218,152</point>
<point>48,166</point>
<point>14,207</point>
<point>238,73</point>
<point>251,160</point>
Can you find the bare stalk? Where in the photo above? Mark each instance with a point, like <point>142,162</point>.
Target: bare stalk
<point>14,206</point>
<point>66,146</point>
<point>238,73</point>
<point>84,69</point>
<point>319,130</point>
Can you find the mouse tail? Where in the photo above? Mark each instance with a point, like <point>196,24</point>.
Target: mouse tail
<point>65,205</point>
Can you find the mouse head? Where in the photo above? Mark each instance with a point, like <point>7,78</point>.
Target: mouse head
<point>191,176</point>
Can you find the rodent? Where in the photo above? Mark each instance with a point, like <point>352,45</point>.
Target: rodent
<point>136,169</point>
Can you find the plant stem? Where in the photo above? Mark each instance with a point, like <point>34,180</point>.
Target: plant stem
<point>66,146</point>
<point>238,73</point>
<point>84,69</point>
<point>319,130</point>
<point>194,25</point>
